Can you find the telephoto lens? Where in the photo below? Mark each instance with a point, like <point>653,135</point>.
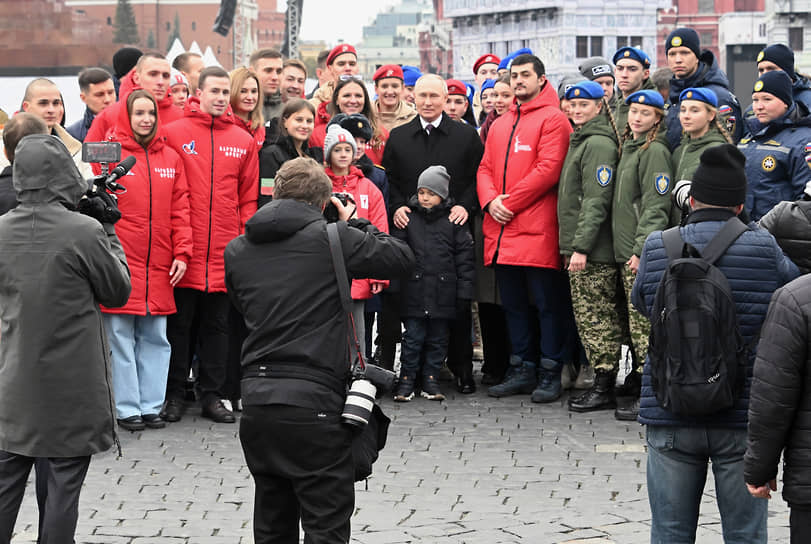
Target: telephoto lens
<point>359,402</point>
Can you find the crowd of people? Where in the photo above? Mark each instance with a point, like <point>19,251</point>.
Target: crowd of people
<point>530,209</point>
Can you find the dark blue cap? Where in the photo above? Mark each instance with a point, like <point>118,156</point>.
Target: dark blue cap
<point>633,53</point>
<point>776,83</point>
<point>647,98</point>
<point>585,89</point>
<point>701,94</point>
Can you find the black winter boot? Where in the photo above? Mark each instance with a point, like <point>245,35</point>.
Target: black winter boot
<point>599,397</point>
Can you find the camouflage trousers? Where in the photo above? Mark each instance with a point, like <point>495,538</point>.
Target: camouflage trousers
<point>594,297</point>
<point>638,323</point>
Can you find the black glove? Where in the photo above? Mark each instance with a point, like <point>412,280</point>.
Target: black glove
<point>101,206</point>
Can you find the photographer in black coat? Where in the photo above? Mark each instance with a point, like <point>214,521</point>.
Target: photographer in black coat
<point>780,406</point>
<point>281,278</point>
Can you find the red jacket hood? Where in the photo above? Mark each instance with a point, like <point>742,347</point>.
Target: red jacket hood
<point>348,182</point>
<point>193,111</point>
<point>322,116</point>
<point>122,131</point>
<point>128,85</point>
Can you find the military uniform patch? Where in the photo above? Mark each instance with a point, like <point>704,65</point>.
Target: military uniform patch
<point>725,110</point>
<point>604,175</point>
<point>768,163</point>
<point>808,147</point>
<point>662,184</point>
<point>266,186</point>
<point>808,160</point>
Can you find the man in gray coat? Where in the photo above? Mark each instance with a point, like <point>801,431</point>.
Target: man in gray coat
<point>56,403</point>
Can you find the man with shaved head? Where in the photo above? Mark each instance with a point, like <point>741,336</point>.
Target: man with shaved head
<point>430,139</point>
<point>152,73</point>
<point>43,99</point>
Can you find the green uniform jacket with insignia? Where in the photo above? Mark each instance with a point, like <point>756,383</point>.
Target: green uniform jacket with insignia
<point>620,110</point>
<point>641,201</point>
<point>585,191</point>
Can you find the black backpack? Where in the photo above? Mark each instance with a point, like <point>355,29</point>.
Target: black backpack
<point>697,356</point>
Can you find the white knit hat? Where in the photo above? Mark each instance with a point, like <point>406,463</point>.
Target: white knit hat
<point>337,135</point>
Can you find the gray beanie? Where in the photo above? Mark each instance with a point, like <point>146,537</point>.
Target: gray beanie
<point>567,82</point>
<point>436,179</point>
<point>595,67</point>
<point>337,135</point>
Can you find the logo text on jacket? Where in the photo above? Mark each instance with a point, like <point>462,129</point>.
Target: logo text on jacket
<point>521,147</point>
<point>231,151</point>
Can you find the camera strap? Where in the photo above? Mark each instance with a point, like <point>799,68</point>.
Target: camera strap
<point>343,288</point>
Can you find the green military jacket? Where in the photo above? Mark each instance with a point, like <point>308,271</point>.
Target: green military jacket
<point>686,156</point>
<point>585,191</point>
<point>641,202</point>
<point>620,109</point>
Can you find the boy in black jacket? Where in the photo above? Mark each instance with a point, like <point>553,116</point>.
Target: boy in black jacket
<point>442,279</point>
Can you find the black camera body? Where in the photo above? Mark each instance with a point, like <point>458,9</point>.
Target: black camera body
<point>366,384</point>
<point>331,212</point>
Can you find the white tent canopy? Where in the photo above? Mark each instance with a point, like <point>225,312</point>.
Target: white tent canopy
<point>195,48</point>
<point>176,49</point>
<point>209,59</point>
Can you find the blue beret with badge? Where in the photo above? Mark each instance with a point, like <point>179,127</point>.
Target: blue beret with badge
<point>507,61</point>
<point>702,94</point>
<point>585,89</point>
<point>488,84</point>
<point>633,53</point>
<point>647,97</point>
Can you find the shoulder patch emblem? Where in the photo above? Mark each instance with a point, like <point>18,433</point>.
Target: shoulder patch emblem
<point>768,163</point>
<point>808,147</point>
<point>604,175</point>
<point>662,183</point>
<point>725,110</point>
<point>808,160</point>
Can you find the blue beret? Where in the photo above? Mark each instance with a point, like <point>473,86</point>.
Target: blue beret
<point>471,90</point>
<point>585,89</point>
<point>488,84</point>
<point>701,94</point>
<point>410,75</point>
<point>647,98</point>
<point>508,60</point>
<point>633,53</point>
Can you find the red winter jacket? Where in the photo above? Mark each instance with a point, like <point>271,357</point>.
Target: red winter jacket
<point>154,227</point>
<point>371,206</point>
<point>258,134</point>
<point>523,157</point>
<point>108,119</point>
<point>222,167</point>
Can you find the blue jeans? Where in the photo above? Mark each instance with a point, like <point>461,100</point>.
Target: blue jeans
<point>140,362</point>
<point>428,336</point>
<point>546,289</point>
<point>677,471</point>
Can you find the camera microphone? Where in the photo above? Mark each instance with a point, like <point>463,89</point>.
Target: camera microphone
<point>120,170</point>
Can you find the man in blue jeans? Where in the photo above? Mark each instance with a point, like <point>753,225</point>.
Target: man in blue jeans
<point>679,448</point>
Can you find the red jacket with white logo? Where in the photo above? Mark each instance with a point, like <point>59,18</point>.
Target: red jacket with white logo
<point>222,168</point>
<point>154,226</point>
<point>523,157</point>
<point>108,119</point>
<point>371,206</point>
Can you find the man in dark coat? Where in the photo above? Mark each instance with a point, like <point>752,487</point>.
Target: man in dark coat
<point>410,149</point>
<point>780,406</point>
<point>56,401</point>
<point>680,447</point>
<point>18,127</point>
<point>97,91</point>
<point>693,67</point>
<point>295,358</point>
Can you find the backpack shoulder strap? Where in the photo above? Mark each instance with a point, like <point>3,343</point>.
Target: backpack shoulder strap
<point>672,240</point>
<point>730,232</point>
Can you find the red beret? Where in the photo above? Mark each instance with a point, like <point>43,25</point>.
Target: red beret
<point>456,87</point>
<point>485,59</point>
<point>389,70</point>
<point>340,50</point>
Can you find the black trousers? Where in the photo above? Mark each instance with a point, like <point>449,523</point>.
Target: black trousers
<point>389,328</point>
<point>460,344</point>
<point>212,310</point>
<point>301,463</point>
<point>237,333</point>
<point>63,479</point>
<point>495,340</point>
<point>800,523</point>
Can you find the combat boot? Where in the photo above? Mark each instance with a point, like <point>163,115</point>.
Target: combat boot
<point>521,381</point>
<point>599,397</point>
<point>549,382</point>
<point>631,385</point>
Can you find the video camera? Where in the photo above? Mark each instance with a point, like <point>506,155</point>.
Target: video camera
<point>104,153</point>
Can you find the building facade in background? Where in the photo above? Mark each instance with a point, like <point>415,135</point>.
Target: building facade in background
<point>561,32</point>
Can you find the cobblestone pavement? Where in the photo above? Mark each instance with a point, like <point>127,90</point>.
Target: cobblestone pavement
<point>468,470</point>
